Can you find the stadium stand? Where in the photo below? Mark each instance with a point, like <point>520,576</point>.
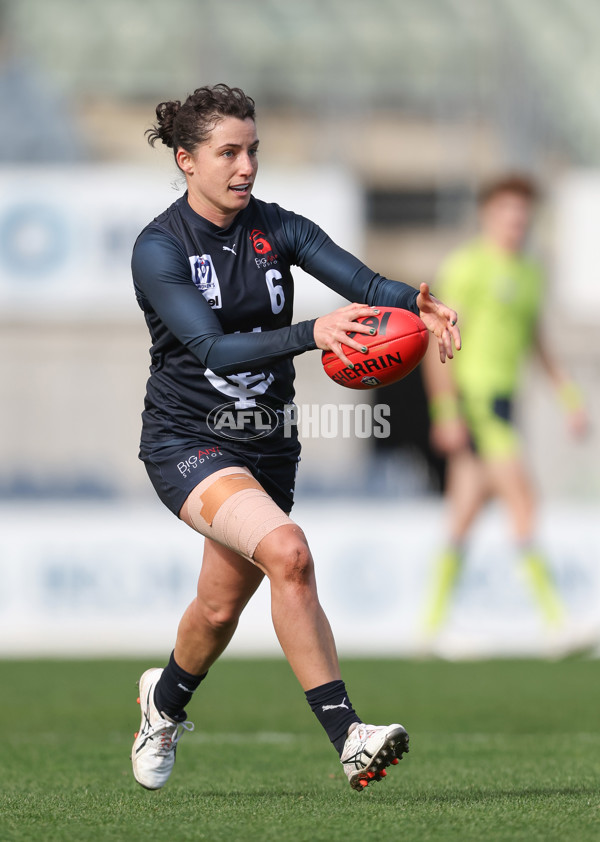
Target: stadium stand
<point>444,58</point>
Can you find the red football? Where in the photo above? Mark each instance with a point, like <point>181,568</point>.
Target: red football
<point>394,351</point>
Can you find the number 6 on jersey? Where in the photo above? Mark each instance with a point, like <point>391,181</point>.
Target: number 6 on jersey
<point>276,293</point>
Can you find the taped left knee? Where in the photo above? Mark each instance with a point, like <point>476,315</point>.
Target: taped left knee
<point>245,518</point>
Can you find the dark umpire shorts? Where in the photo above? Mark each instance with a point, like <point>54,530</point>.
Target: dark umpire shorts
<point>176,468</point>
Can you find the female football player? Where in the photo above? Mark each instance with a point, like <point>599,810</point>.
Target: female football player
<point>212,276</point>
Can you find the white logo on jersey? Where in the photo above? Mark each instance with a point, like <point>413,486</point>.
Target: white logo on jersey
<point>205,278</point>
<point>232,250</point>
<point>244,387</point>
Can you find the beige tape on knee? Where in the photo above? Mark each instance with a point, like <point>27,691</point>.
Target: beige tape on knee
<point>231,507</point>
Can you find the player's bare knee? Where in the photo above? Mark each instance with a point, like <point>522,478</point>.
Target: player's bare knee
<point>223,619</point>
<point>219,617</point>
<point>299,570</point>
<point>284,554</point>
<point>293,564</point>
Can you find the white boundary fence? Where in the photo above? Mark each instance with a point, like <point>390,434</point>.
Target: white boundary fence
<point>113,580</point>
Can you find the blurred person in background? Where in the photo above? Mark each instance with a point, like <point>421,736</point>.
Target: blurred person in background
<point>498,290</point>
<point>212,276</point>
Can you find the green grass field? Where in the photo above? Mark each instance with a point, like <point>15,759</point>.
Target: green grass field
<point>499,751</point>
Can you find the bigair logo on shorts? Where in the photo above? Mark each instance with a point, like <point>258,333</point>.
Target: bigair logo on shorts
<point>193,461</point>
<point>241,424</point>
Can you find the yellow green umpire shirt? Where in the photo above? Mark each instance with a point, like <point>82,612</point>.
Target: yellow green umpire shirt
<point>497,297</point>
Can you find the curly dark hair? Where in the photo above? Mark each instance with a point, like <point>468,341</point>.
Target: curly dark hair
<point>187,126</point>
<point>519,183</point>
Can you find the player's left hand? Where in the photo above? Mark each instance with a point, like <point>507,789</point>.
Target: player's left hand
<point>440,320</point>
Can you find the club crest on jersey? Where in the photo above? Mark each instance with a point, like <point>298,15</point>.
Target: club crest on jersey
<point>263,249</point>
<point>260,242</point>
<point>205,279</point>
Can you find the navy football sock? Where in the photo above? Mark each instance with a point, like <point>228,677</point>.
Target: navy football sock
<point>174,690</point>
<point>331,706</point>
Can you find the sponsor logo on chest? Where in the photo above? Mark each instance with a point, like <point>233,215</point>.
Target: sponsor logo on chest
<point>264,255</point>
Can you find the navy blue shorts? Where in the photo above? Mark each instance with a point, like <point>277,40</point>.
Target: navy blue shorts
<point>175,469</point>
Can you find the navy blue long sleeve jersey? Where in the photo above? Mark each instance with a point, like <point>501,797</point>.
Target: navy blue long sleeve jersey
<point>218,304</point>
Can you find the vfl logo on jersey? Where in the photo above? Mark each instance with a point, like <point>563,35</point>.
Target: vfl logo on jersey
<point>205,278</point>
<point>263,249</point>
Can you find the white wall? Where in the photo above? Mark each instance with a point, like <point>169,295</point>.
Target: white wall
<point>576,203</point>
<point>108,580</point>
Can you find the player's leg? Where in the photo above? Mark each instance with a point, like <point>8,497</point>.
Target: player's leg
<point>466,492</point>
<point>235,509</point>
<point>226,583</point>
<point>308,644</point>
<point>510,481</point>
<point>232,508</point>
<point>300,623</point>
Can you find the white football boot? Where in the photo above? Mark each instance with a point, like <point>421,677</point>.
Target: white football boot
<point>369,749</point>
<point>153,752</point>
